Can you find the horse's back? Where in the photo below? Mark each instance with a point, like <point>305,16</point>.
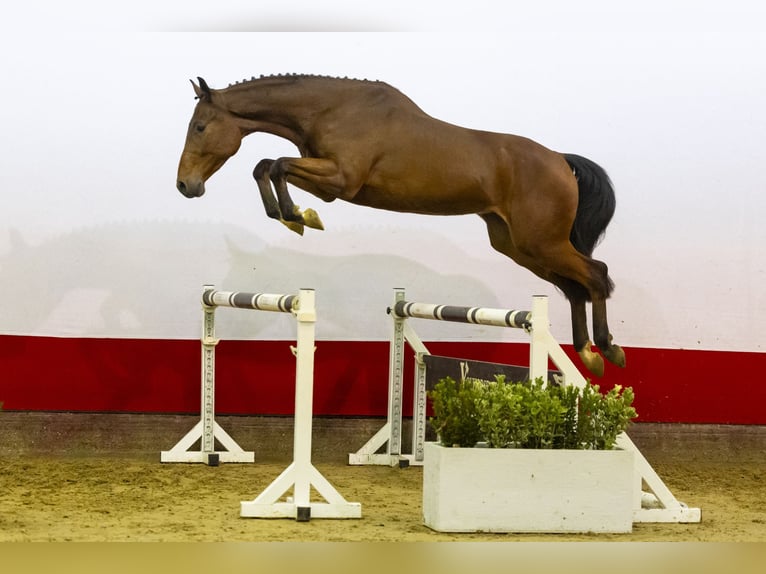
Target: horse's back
<point>403,159</point>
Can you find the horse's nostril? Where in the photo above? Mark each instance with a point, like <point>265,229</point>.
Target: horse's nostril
<point>181,187</point>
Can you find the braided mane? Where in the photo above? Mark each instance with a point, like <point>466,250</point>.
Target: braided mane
<point>297,76</point>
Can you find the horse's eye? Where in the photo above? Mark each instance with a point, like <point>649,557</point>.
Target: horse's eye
<point>199,128</point>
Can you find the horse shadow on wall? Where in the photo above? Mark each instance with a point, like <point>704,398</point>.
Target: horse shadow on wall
<point>353,290</point>
<point>144,280</point>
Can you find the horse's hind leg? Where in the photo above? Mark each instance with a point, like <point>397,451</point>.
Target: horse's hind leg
<point>581,278</point>
<point>593,276</point>
<point>578,296</point>
<point>500,239</point>
<point>613,353</point>
<point>600,289</point>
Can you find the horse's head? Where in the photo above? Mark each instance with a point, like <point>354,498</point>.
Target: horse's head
<point>212,138</point>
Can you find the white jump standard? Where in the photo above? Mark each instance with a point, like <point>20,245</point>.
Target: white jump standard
<point>301,475</point>
<point>207,430</point>
<point>658,505</point>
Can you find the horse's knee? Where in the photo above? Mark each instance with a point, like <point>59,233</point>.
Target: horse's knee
<point>262,169</point>
<point>278,170</point>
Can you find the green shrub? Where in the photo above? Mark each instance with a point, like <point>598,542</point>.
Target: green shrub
<point>601,417</point>
<point>455,414</point>
<point>529,414</point>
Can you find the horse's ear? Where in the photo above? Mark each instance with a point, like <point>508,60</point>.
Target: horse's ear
<point>203,90</point>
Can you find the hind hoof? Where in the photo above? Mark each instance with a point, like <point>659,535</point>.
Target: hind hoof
<point>592,361</point>
<point>614,354</point>
<point>311,219</point>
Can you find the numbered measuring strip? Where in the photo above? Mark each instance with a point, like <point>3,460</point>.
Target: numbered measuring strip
<point>475,315</point>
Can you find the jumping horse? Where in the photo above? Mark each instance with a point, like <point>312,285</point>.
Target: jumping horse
<point>367,143</point>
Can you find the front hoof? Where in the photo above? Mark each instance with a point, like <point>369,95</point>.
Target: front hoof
<point>311,219</point>
<point>592,361</point>
<point>615,354</point>
<point>293,226</point>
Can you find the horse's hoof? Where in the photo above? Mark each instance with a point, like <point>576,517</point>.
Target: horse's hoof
<point>293,226</point>
<point>311,219</point>
<point>615,354</point>
<point>592,361</point>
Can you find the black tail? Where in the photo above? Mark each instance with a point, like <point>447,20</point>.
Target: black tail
<point>596,206</point>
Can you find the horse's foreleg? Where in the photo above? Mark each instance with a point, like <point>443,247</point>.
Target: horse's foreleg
<point>320,177</point>
<point>602,336</point>
<point>261,176</point>
<point>270,203</point>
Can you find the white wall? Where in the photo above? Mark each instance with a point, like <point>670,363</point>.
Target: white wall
<point>95,241</point>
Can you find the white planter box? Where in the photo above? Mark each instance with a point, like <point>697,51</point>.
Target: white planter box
<point>527,490</point>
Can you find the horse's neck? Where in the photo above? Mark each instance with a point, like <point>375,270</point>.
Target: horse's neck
<point>284,108</point>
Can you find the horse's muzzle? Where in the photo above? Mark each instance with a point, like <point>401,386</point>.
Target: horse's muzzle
<point>190,190</point>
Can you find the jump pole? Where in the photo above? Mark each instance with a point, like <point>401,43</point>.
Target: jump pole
<point>658,505</point>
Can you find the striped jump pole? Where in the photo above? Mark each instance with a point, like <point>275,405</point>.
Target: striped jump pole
<point>542,347</point>
<point>240,300</point>
<point>474,315</point>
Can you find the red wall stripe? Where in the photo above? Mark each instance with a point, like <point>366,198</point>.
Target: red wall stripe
<point>351,378</point>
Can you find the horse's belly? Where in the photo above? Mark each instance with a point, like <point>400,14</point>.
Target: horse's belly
<point>434,201</point>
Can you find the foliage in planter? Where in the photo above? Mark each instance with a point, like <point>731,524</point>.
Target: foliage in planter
<point>530,414</point>
<point>454,404</point>
<point>602,417</point>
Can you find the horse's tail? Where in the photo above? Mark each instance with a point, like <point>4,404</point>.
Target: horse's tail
<point>596,206</point>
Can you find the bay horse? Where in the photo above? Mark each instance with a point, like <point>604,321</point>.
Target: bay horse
<point>367,143</point>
